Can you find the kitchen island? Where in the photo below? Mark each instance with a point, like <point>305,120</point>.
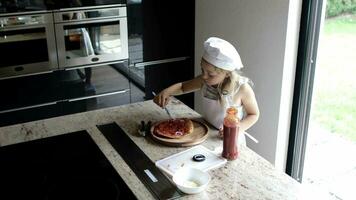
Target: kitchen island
<point>248,177</point>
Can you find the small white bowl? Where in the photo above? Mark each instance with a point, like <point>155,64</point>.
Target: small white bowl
<point>191,180</point>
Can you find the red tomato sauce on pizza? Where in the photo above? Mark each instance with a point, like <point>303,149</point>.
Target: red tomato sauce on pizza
<point>174,128</point>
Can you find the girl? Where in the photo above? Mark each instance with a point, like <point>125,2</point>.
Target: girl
<point>222,86</point>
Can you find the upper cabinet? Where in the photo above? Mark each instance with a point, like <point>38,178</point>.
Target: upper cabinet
<point>160,29</point>
<point>161,44</point>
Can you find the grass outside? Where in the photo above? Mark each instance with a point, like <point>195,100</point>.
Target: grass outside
<point>334,99</point>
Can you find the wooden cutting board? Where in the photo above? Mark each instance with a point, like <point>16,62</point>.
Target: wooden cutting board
<point>198,136</point>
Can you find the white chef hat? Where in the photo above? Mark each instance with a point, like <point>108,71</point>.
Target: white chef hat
<point>221,54</point>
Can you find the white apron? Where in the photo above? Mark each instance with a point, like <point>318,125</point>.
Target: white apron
<point>214,112</point>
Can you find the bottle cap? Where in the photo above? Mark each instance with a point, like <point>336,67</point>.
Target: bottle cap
<point>231,111</point>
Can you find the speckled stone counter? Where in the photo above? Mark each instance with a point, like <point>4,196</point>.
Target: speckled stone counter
<point>248,177</point>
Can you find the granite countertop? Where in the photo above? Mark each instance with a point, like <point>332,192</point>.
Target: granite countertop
<point>248,177</point>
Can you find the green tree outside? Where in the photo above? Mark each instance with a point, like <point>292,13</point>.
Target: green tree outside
<point>338,7</point>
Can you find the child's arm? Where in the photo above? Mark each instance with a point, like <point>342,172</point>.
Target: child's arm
<point>249,102</point>
<point>192,85</point>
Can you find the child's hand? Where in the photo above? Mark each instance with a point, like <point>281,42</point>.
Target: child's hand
<point>162,99</point>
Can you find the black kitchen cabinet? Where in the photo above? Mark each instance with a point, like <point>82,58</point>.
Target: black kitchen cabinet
<point>161,52</point>
<point>152,77</point>
<point>161,44</point>
<point>30,98</point>
<point>168,30</point>
<point>160,76</point>
<point>62,92</point>
<point>93,88</point>
<point>23,115</point>
<point>136,94</point>
<point>160,29</point>
<point>98,102</point>
<point>93,81</point>
<point>29,91</point>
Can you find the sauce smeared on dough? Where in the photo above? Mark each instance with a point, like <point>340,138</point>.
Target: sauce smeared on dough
<point>174,128</point>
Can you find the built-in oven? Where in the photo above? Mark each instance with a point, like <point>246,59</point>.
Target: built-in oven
<point>91,36</point>
<point>26,44</point>
<point>16,6</point>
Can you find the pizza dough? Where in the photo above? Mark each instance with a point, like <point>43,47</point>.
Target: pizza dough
<point>174,128</point>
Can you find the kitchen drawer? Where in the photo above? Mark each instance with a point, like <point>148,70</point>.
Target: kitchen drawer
<point>31,113</point>
<point>29,90</point>
<point>86,82</point>
<point>95,102</point>
<point>54,109</point>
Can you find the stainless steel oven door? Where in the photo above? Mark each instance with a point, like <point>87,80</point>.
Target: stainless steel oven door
<point>91,37</point>
<point>27,45</point>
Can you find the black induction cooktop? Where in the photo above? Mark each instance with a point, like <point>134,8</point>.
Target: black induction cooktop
<point>66,167</point>
<point>145,169</point>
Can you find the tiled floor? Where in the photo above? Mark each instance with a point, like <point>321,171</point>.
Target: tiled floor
<point>330,164</point>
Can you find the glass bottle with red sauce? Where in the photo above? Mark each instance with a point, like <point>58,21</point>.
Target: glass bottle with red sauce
<point>231,131</point>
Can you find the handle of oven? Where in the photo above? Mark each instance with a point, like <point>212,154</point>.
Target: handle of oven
<point>16,28</point>
<point>37,20</point>
<point>116,19</point>
<point>115,12</point>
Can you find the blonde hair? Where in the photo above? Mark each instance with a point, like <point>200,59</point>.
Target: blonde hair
<point>230,84</point>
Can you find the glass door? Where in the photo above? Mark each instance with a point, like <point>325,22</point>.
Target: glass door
<point>91,37</point>
<point>29,37</point>
<point>323,139</point>
<point>307,52</point>
<point>20,43</point>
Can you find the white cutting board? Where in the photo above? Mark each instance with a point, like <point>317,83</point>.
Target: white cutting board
<point>185,159</point>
